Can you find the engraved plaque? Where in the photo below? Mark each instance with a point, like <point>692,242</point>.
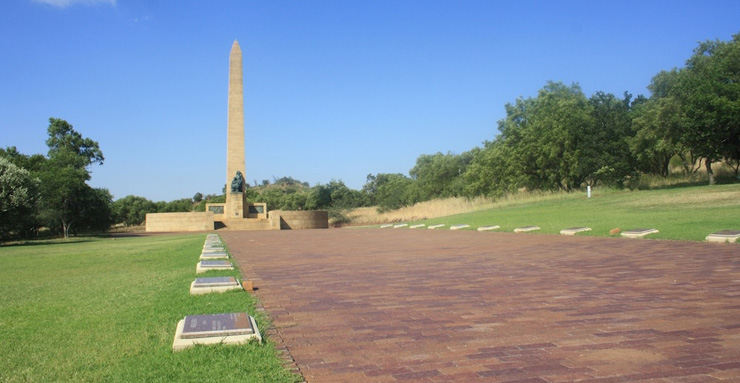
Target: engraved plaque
<point>216,209</point>
<point>214,255</point>
<point>215,282</point>
<point>216,325</point>
<point>215,263</point>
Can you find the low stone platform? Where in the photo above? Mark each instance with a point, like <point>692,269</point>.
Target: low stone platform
<point>638,233</point>
<point>368,305</point>
<point>574,230</point>
<point>214,285</point>
<point>730,236</point>
<point>526,229</point>
<point>232,328</point>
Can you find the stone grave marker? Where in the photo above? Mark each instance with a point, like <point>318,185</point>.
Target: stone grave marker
<point>206,265</point>
<point>214,255</point>
<point>417,226</point>
<point>525,229</point>
<point>574,230</point>
<point>730,236</point>
<point>214,284</point>
<point>231,328</point>
<point>489,228</point>
<point>400,225</point>
<point>432,227</point>
<point>458,227</point>
<point>386,226</point>
<point>638,233</point>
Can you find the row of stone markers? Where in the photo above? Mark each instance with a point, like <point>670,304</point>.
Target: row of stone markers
<point>720,236</point>
<point>229,328</point>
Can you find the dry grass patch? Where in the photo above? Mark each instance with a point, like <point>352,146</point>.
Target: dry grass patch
<point>447,207</point>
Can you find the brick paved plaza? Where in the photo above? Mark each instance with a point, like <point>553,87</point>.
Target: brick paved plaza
<point>400,305</point>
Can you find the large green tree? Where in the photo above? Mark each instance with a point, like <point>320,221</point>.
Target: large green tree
<point>64,175</point>
<point>440,175</point>
<point>709,94</point>
<point>18,197</point>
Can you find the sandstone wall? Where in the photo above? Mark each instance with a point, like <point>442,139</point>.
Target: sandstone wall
<point>168,222</point>
<point>299,220</point>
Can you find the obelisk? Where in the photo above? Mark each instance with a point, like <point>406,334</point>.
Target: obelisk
<point>235,134</point>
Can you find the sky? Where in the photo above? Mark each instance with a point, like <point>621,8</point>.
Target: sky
<point>333,89</point>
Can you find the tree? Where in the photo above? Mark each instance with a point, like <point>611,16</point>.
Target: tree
<point>132,210</point>
<point>605,155</point>
<point>18,197</point>
<point>543,140</point>
<point>709,94</point>
<point>389,191</point>
<point>439,175</point>
<point>198,197</point>
<point>64,174</point>
<point>65,141</point>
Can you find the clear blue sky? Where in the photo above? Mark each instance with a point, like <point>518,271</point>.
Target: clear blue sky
<point>333,89</point>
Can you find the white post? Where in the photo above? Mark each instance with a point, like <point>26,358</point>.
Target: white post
<point>588,188</point>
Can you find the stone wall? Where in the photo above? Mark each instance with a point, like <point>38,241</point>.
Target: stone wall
<point>299,220</point>
<point>168,222</point>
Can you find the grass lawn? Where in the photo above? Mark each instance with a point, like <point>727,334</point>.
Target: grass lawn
<point>105,310</point>
<point>688,213</point>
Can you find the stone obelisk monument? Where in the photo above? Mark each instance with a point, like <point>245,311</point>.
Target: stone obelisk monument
<point>235,162</point>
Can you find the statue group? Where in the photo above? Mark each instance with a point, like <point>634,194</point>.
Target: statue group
<point>237,184</point>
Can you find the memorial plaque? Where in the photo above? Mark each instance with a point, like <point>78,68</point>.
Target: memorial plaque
<point>417,226</point>
<point>724,236</point>
<point>489,228</point>
<point>386,226</point>
<point>215,263</point>
<point>400,225</point>
<point>216,325</point>
<point>213,255</point>
<point>525,229</point>
<point>215,282</point>
<point>216,209</point>
<point>574,230</point>
<point>432,227</point>
<point>458,227</point>
<point>638,233</point>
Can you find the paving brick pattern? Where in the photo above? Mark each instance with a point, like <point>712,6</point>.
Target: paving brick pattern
<point>371,305</point>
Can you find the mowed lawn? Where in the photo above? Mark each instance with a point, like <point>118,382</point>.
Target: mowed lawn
<point>688,213</point>
<point>105,310</point>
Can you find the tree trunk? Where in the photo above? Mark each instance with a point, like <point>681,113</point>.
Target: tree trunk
<point>710,174</point>
<point>65,228</point>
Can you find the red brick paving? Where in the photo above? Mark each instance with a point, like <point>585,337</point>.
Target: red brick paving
<point>400,305</point>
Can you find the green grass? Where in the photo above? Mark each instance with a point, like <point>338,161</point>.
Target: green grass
<point>688,213</point>
<point>92,310</point>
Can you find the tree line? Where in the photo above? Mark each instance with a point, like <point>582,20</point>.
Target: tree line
<point>558,140</point>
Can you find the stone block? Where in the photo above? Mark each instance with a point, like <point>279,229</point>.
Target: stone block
<point>437,226</point>
<point>400,225</point>
<point>417,226</point>
<point>525,229</point>
<point>231,328</point>
<point>458,227</point>
<point>723,236</point>
<point>489,228</point>
<point>574,230</point>
<point>387,225</point>
<point>214,255</point>
<point>638,233</point>
<point>214,285</point>
<point>206,265</point>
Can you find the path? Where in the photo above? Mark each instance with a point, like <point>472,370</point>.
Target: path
<point>400,305</point>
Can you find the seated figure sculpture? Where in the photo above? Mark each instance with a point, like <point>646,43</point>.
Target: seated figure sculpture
<point>237,184</point>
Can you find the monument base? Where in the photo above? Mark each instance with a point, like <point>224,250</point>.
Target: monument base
<point>234,206</point>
